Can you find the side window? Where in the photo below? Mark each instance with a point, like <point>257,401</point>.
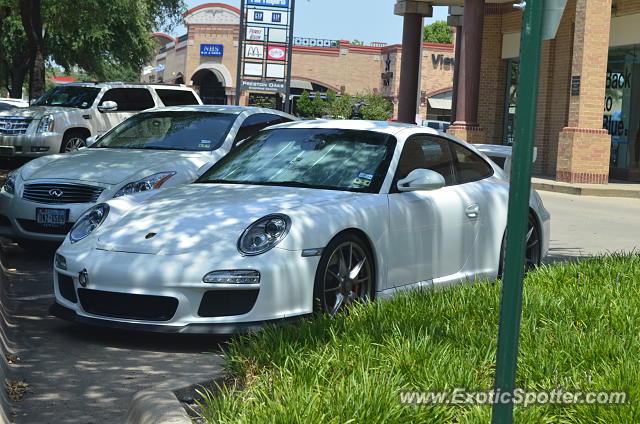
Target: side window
<point>129,99</point>
<point>176,97</point>
<point>425,152</point>
<point>255,123</point>
<point>469,166</point>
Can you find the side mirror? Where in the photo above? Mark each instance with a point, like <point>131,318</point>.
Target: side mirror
<point>421,179</point>
<point>108,106</point>
<point>90,141</point>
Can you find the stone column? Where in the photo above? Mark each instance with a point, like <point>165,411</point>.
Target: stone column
<point>583,146</point>
<point>413,13</point>
<point>467,90</point>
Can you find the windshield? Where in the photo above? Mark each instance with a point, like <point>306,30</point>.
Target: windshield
<point>197,131</point>
<point>69,96</point>
<point>333,159</point>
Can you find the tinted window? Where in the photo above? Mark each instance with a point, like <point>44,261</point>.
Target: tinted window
<point>256,122</point>
<point>69,96</point>
<point>425,152</point>
<point>469,166</point>
<point>434,125</point>
<point>176,97</point>
<point>129,99</point>
<point>170,131</point>
<point>321,158</point>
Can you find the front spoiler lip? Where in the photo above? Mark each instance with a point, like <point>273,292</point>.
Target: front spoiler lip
<point>59,311</point>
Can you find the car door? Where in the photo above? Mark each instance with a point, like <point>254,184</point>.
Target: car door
<point>129,99</point>
<point>431,232</point>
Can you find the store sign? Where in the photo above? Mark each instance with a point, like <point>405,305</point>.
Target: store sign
<point>440,60</point>
<point>263,85</point>
<point>211,50</point>
<point>254,51</point>
<point>277,53</point>
<point>272,3</point>
<point>270,17</point>
<point>575,85</point>
<point>256,33</point>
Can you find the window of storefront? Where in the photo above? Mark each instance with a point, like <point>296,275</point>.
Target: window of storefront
<point>511,95</point>
<point>622,106</point>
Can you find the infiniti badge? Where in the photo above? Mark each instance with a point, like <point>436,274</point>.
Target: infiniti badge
<point>56,192</point>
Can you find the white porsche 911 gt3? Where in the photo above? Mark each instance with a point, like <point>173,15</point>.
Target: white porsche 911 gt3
<point>302,217</point>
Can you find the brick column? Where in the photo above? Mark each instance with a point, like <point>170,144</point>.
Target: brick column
<point>467,89</point>
<point>583,146</point>
<point>413,12</point>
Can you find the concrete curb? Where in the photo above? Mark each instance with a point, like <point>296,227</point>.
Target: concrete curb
<point>586,191</point>
<point>161,405</point>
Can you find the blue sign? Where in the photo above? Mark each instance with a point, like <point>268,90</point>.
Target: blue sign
<point>274,3</point>
<point>211,49</point>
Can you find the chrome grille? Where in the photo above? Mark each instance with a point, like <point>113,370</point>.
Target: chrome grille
<point>61,193</point>
<point>14,125</point>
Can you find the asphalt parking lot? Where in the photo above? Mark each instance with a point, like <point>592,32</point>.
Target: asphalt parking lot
<point>78,374</point>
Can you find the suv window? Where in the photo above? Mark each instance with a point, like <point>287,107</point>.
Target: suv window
<point>129,99</point>
<point>176,97</point>
<point>69,96</point>
<point>425,152</point>
<point>254,123</point>
<point>469,166</point>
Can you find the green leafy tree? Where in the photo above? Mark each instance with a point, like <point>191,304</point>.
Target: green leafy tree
<point>377,109</point>
<point>105,38</point>
<point>319,106</point>
<point>438,32</point>
<point>15,58</point>
<point>357,43</point>
<point>304,105</point>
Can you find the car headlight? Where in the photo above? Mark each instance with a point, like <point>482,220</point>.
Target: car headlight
<point>46,124</point>
<point>151,182</point>
<point>264,234</point>
<point>88,222</point>
<point>9,185</point>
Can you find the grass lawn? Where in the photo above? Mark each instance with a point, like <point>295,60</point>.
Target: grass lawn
<point>580,330</point>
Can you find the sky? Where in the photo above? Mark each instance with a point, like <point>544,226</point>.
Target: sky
<point>342,19</point>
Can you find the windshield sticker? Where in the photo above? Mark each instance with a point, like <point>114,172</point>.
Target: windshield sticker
<point>361,182</point>
<point>204,144</point>
<point>365,176</point>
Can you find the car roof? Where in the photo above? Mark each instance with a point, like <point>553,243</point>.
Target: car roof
<point>363,125</point>
<point>219,109</point>
<point>100,84</point>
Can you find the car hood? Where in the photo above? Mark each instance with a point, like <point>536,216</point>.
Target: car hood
<point>37,111</point>
<point>198,216</point>
<point>111,166</point>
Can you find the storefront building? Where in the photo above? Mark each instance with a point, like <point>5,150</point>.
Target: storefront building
<point>206,58</point>
<point>588,124</point>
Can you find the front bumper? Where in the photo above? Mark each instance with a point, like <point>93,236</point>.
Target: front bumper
<point>30,145</point>
<point>18,218</point>
<point>62,312</point>
<point>285,290</point>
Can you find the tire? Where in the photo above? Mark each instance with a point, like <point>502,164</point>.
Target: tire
<point>336,286</point>
<point>532,249</point>
<point>72,141</point>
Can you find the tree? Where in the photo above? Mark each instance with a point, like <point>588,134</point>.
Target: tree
<point>102,37</point>
<point>15,58</point>
<point>357,43</point>
<point>377,109</point>
<point>438,32</point>
<point>304,106</point>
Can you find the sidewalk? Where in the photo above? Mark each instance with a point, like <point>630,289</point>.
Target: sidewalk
<point>613,189</point>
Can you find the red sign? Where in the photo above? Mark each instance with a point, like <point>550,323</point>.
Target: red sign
<point>277,53</point>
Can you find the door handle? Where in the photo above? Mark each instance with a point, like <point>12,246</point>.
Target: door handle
<point>472,211</point>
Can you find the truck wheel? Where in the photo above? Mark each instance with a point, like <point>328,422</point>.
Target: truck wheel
<point>72,141</point>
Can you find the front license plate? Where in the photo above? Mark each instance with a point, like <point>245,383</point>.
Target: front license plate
<point>52,217</point>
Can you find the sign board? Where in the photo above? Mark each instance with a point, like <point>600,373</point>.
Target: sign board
<point>264,54</point>
<point>263,85</point>
<point>575,85</point>
<point>272,3</point>
<point>211,50</point>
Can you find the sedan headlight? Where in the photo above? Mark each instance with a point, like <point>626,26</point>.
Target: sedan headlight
<point>9,185</point>
<point>88,222</point>
<point>264,234</point>
<point>151,182</point>
<point>46,124</point>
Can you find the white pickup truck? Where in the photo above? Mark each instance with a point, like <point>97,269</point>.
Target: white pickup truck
<point>64,117</point>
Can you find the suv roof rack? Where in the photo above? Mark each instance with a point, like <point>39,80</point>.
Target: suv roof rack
<point>127,83</point>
